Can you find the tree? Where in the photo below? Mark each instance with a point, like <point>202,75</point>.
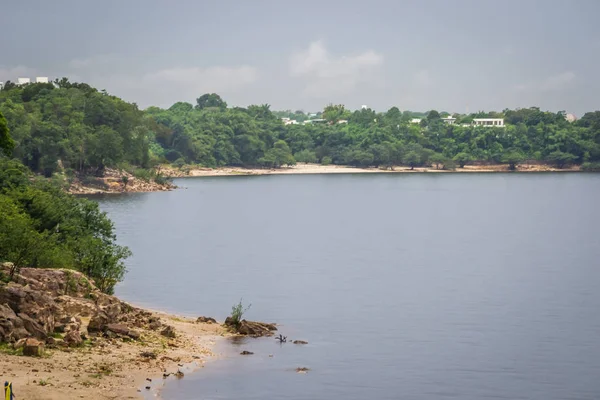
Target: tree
<point>210,100</point>
<point>437,159</point>
<point>334,113</point>
<point>7,144</point>
<point>279,155</point>
<point>306,156</point>
<point>512,158</point>
<point>560,159</point>
<point>412,159</point>
<point>462,159</point>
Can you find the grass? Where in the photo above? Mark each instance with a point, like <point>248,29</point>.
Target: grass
<point>6,348</point>
<point>44,382</point>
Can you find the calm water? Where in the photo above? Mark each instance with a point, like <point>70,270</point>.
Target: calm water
<point>419,286</point>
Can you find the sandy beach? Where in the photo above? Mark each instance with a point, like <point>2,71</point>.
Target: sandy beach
<point>116,369</point>
<point>341,169</point>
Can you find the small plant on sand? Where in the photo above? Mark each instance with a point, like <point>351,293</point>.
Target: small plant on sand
<point>238,311</point>
<point>44,382</point>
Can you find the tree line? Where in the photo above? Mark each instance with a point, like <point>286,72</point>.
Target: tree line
<point>74,127</point>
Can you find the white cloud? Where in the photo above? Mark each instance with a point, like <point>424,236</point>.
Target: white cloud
<point>326,74</point>
<point>95,61</point>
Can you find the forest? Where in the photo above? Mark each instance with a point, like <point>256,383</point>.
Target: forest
<point>75,128</point>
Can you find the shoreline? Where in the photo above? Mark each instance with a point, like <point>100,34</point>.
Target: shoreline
<point>63,338</point>
<point>308,169</point>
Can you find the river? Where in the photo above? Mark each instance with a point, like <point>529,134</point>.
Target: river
<point>412,286</point>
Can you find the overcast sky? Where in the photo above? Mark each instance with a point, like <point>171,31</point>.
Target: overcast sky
<point>416,55</point>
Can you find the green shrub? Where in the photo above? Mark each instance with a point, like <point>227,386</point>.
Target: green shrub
<point>591,166</point>
<point>238,311</point>
<point>326,160</point>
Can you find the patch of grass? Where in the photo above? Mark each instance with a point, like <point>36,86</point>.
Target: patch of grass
<point>56,335</point>
<point>44,382</point>
<point>88,384</point>
<point>6,348</point>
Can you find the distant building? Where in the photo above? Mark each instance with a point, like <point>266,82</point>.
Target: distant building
<point>1,85</point>
<point>23,81</point>
<point>41,79</point>
<point>364,107</point>
<point>449,120</point>
<point>571,117</point>
<point>488,121</point>
<point>415,121</point>
<point>315,121</point>
<point>288,121</point>
<point>342,121</point>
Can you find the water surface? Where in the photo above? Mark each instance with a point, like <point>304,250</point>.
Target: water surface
<point>412,286</point>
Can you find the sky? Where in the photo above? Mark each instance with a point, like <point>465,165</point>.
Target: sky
<point>457,56</point>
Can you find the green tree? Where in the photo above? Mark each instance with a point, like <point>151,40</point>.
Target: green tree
<point>560,159</point>
<point>437,159</point>
<point>210,100</point>
<point>306,156</point>
<point>412,159</point>
<point>6,143</point>
<point>462,159</point>
<point>512,158</point>
<point>278,156</point>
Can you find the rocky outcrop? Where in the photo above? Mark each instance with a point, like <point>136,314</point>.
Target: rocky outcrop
<point>206,320</point>
<point>33,348</point>
<point>250,328</point>
<point>41,303</point>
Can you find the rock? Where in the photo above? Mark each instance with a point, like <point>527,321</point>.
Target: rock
<point>33,348</point>
<point>206,320</point>
<point>20,343</point>
<point>302,370</point>
<point>250,328</point>
<point>149,380</point>
<point>98,322</point>
<point>300,342</point>
<point>148,354</point>
<point>135,335</point>
<point>168,332</point>
<point>154,325</point>
<point>31,326</point>
<point>118,329</point>
<point>73,339</point>
<point>246,353</point>
<point>179,374</point>
<point>148,388</point>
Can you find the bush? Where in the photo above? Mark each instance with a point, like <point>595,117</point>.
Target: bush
<point>143,174</point>
<point>326,160</point>
<point>180,162</point>
<point>591,167</point>
<point>238,311</point>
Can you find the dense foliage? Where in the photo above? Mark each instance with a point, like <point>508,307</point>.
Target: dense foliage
<point>42,226</point>
<point>76,127</point>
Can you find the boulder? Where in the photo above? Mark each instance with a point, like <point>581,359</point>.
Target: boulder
<point>34,329</point>
<point>300,342</point>
<point>19,343</point>
<point>11,326</point>
<point>33,348</point>
<point>206,320</point>
<point>168,332</point>
<point>98,322</point>
<point>73,339</point>
<point>154,325</point>
<point>246,353</point>
<point>250,328</point>
<point>118,329</point>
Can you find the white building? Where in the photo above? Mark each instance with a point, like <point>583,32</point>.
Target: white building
<point>41,79</point>
<point>288,121</point>
<point>571,117</point>
<point>1,85</point>
<point>488,121</point>
<point>449,120</point>
<point>23,81</point>
<point>342,121</point>
<point>415,121</point>
<point>364,107</point>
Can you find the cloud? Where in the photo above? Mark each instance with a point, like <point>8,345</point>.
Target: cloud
<point>326,74</point>
<point>558,82</point>
<point>12,73</point>
<point>95,61</point>
<point>552,83</point>
<point>423,78</point>
<point>211,79</point>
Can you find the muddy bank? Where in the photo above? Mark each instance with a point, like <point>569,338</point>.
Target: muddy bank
<point>90,345</point>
